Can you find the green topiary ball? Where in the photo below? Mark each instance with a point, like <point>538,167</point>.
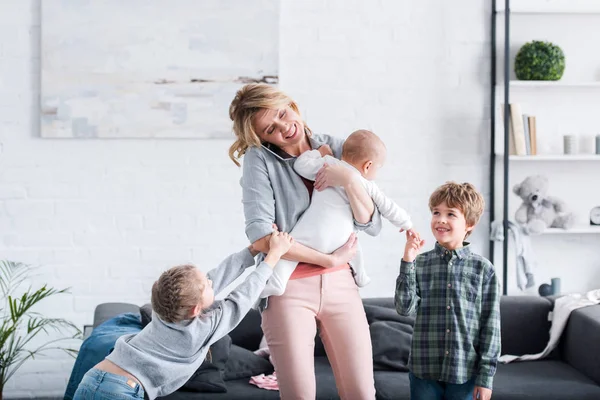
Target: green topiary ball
<point>539,61</point>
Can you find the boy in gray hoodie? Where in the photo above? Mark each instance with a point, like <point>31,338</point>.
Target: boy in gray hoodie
<point>165,354</point>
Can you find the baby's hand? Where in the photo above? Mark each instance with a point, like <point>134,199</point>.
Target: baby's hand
<point>414,234</point>
<point>325,150</point>
<point>414,244</point>
<point>280,243</point>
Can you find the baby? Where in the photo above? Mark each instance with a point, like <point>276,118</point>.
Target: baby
<point>328,221</point>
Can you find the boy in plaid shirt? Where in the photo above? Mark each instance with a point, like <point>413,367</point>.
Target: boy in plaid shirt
<point>455,296</point>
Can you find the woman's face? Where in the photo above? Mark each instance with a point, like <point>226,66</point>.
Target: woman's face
<point>282,127</point>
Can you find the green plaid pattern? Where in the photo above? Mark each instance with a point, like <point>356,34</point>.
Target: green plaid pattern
<point>456,297</point>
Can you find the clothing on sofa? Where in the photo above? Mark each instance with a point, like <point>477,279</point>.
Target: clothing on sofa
<point>456,297</point>
<point>525,258</point>
<point>563,306</point>
<point>268,382</point>
<point>164,355</point>
<point>328,221</point>
<point>99,344</point>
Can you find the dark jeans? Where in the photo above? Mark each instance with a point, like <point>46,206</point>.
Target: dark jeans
<point>426,389</point>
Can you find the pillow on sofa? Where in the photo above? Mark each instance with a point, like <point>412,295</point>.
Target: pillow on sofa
<point>391,336</point>
<point>243,363</point>
<point>209,376</point>
<point>391,345</point>
<point>146,313</point>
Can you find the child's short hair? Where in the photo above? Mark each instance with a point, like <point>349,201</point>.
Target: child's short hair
<point>463,196</point>
<point>176,293</point>
<point>362,145</point>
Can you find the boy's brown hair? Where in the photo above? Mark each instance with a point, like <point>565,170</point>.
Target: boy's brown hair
<point>176,293</point>
<point>462,196</point>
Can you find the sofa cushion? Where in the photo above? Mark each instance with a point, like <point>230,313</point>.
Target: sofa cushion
<point>543,380</point>
<point>392,385</point>
<point>236,389</point>
<point>248,333</point>
<point>209,376</point>
<point>243,363</point>
<point>391,336</point>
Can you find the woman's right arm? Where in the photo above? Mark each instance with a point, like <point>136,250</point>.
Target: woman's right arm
<point>259,211</point>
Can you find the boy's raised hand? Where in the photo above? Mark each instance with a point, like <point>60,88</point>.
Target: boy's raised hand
<point>414,244</point>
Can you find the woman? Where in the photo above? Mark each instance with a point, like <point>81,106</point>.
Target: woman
<point>321,292</point>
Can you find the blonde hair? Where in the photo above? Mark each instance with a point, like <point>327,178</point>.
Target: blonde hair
<point>462,196</point>
<point>248,101</point>
<point>176,292</point>
<point>362,145</point>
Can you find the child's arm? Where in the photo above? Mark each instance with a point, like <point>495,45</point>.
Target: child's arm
<point>489,331</point>
<point>229,312</point>
<point>408,296</point>
<point>310,162</point>
<point>231,268</point>
<point>388,208</point>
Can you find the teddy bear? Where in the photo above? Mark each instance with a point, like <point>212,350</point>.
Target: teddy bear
<point>538,210</point>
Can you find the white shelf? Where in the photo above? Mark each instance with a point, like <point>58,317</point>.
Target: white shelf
<point>550,84</point>
<point>551,7</point>
<point>574,230</point>
<point>551,157</point>
<point>555,157</point>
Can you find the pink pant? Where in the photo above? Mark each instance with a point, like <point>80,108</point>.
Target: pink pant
<point>331,302</point>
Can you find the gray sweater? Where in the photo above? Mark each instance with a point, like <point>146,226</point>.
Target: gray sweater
<point>163,356</point>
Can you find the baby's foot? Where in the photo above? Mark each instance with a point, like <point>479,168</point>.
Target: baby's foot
<point>345,253</point>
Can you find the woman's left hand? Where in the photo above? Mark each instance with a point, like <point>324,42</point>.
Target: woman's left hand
<point>332,175</point>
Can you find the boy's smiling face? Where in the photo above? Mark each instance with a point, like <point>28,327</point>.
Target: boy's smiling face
<point>449,226</point>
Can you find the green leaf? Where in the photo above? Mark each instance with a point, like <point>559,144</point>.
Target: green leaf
<point>19,324</point>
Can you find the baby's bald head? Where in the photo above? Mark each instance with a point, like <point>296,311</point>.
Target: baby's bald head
<point>361,147</point>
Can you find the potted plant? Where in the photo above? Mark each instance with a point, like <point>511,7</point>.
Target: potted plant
<point>19,323</point>
<point>539,61</point>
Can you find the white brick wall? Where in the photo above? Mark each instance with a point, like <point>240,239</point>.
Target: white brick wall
<point>105,217</point>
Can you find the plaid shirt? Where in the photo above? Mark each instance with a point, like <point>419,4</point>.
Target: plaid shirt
<point>456,297</point>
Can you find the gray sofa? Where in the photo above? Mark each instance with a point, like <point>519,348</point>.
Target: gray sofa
<point>572,371</point>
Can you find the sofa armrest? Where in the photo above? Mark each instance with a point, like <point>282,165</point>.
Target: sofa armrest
<point>581,341</point>
<point>106,311</point>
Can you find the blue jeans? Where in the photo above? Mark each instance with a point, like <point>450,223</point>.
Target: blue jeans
<point>100,343</point>
<point>427,389</point>
<point>101,385</point>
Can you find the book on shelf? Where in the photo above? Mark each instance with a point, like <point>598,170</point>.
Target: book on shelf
<point>526,134</point>
<point>522,131</point>
<point>532,134</point>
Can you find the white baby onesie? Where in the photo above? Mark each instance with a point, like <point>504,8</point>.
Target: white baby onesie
<point>328,221</point>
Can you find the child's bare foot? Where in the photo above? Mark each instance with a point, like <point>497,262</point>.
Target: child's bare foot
<point>344,253</point>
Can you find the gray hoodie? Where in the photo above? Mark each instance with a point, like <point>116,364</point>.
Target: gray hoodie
<point>163,356</point>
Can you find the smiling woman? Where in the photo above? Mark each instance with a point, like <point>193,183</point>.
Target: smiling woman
<point>271,134</point>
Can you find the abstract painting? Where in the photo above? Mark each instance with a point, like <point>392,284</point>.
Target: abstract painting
<point>151,68</point>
